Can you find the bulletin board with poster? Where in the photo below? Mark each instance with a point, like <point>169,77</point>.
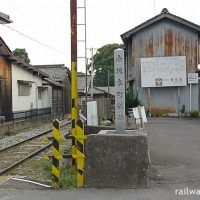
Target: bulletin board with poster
<point>163,71</point>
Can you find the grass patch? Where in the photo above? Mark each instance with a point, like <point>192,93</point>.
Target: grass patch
<point>67,180</point>
<point>39,169</point>
<point>194,113</point>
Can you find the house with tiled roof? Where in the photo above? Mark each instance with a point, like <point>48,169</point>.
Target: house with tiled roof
<point>24,89</point>
<point>61,97</point>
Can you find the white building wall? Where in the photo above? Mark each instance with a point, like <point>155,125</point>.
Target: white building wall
<point>21,103</point>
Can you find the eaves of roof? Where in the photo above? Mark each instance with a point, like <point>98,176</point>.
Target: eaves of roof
<point>27,66</point>
<point>96,91</point>
<point>163,15</point>
<point>50,66</point>
<point>53,83</point>
<point>13,59</point>
<point>4,19</point>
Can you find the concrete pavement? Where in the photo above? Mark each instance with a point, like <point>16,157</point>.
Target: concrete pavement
<point>157,192</point>
<point>174,149</point>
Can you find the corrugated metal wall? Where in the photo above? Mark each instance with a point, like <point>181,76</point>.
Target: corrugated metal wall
<point>165,38</point>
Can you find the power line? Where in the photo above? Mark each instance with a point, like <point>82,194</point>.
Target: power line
<point>37,41</point>
<point>25,16</point>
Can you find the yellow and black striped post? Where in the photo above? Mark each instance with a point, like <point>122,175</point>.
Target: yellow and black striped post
<point>56,155</point>
<point>74,115</point>
<point>80,153</point>
<point>74,93</point>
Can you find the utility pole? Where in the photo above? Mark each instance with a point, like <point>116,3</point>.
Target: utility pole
<point>74,93</point>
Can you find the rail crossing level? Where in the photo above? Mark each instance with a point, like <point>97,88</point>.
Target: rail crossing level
<point>18,152</point>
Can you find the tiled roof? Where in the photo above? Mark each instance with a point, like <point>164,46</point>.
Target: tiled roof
<point>55,72</point>
<point>58,73</point>
<point>96,90</point>
<point>111,89</point>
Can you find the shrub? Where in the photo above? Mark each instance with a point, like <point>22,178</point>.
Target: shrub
<point>132,100</point>
<point>194,113</point>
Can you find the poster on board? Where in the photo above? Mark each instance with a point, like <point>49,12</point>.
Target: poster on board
<point>163,71</point>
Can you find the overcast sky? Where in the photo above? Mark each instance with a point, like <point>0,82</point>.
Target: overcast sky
<point>48,22</point>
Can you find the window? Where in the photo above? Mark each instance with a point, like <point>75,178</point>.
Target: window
<point>24,88</point>
<point>41,91</point>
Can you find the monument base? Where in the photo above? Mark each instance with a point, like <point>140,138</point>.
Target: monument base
<point>117,160</point>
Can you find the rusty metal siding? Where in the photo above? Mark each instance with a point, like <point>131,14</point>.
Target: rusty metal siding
<point>129,68</point>
<point>166,38</point>
<point>6,88</point>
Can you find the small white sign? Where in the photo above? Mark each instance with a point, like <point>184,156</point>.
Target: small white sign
<point>136,115</point>
<point>139,114</point>
<point>92,116</point>
<point>192,78</point>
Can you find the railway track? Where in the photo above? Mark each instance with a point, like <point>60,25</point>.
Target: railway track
<point>14,155</point>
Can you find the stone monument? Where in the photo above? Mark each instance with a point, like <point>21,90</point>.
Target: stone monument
<point>117,158</point>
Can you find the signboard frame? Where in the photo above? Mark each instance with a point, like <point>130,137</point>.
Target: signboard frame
<point>193,78</point>
<point>163,71</point>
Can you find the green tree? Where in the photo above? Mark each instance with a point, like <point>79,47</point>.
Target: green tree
<point>21,54</point>
<point>103,61</point>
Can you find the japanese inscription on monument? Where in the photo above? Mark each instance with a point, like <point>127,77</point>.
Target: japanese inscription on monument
<point>119,91</point>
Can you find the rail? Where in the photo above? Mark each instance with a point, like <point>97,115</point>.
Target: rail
<point>6,153</point>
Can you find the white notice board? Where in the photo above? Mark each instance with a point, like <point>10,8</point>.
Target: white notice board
<point>163,71</point>
<point>92,116</point>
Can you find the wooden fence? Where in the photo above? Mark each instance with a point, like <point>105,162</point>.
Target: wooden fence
<point>104,107</point>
